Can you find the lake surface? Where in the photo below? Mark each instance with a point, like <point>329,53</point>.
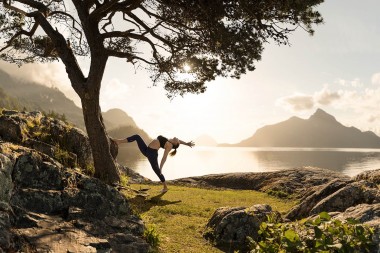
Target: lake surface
<point>200,161</point>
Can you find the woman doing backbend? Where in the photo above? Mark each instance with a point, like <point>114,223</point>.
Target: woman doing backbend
<point>151,151</point>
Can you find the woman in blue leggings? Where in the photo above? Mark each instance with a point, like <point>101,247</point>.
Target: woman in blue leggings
<point>151,151</point>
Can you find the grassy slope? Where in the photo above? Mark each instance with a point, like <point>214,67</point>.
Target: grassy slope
<point>180,216</point>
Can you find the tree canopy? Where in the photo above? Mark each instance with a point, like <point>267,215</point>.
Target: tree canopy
<point>212,37</point>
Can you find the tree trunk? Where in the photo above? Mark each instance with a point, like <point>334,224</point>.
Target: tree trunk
<point>105,166</point>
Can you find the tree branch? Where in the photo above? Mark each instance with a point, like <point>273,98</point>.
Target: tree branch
<point>22,32</point>
<point>65,53</point>
<point>151,32</point>
<point>128,56</point>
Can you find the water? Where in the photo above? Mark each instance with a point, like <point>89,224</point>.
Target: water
<point>213,160</point>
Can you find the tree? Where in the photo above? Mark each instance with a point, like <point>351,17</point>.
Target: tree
<point>210,37</point>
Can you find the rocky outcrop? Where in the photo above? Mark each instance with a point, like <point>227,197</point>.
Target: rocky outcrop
<point>228,228</point>
<point>337,196</point>
<point>66,143</point>
<point>296,182</point>
<point>53,208</point>
<point>318,191</point>
<point>372,176</point>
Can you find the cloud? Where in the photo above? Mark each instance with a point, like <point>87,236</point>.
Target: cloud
<point>326,97</point>
<point>376,79</point>
<point>297,102</point>
<point>356,82</point>
<point>301,102</point>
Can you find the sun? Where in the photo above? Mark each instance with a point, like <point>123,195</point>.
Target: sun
<point>186,67</point>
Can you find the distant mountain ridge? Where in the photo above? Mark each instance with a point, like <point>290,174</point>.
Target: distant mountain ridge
<point>115,118</point>
<point>206,141</point>
<point>41,98</point>
<point>321,130</point>
<point>17,94</point>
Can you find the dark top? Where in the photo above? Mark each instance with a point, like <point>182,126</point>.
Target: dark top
<point>163,140</point>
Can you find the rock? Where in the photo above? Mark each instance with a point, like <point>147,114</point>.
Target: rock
<point>6,185</point>
<point>59,209</point>
<point>47,135</point>
<point>5,225</point>
<point>364,213</point>
<point>369,176</point>
<point>336,196</point>
<point>133,176</point>
<point>12,127</point>
<point>317,194</point>
<point>296,182</point>
<point>351,195</point>
<point>228,228</point>
<point>368,214</point>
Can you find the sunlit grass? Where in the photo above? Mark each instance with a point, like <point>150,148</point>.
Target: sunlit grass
<point>180,215</point>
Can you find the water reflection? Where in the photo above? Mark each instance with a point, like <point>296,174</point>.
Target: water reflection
<point>201,160</point>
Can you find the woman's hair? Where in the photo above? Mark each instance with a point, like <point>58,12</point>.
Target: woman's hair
<point>175,146</point>
<point>173,152</point>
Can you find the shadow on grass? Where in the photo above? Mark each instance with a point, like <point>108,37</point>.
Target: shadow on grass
<point>143,204</point>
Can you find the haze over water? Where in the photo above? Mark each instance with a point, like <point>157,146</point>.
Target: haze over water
<point>214,160</point>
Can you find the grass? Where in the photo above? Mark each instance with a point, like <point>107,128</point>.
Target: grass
<point>180,215</point>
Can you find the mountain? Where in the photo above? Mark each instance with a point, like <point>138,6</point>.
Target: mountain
<point>320,130</point>
<point>205,140</point>
<point>20,95</point>
<point>41,98</point>
<point>115,118</point>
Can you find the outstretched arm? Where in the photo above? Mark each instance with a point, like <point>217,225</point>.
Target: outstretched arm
<point>190,143</point>
<point>164,156</point>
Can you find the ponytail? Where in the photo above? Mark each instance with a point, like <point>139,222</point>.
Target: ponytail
<point>173,152</point>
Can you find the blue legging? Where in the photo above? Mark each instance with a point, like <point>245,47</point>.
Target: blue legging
<point>150,153</point>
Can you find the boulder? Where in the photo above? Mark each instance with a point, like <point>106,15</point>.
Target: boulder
<point>293,182</point>
<point>316,194</point>
<point>51,136</point>
<point>228,228</point>
<point>368,214</point>
<point>6,185</point>
<point>369,176</point>
<point>351,195</point>
<point>364,213</point>
<point>336,196</point>
<point>59,209</point>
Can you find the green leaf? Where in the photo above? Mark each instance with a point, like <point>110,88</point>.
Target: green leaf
<point>263,225</point>
<point>325,216</point>
<point>291,235</point>
<point>317,221</point>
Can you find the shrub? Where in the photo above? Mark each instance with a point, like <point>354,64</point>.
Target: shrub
<point>321,234</point>
<point>152,237</point>
<point>89,170</point>
<point>123,180</point>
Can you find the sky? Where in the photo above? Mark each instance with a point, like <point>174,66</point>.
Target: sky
<point>337,70</point>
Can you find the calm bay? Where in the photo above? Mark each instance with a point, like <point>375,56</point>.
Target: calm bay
<point>214,160</point>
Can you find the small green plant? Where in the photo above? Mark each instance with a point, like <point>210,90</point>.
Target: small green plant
<point>30,124</point>
<point>89,170</point>
<point>152,237</point>
<point>55,115</point>
<point>63,156</point>
<point>321,234</point>
<point>124,180</point>
<point>278,193</point>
